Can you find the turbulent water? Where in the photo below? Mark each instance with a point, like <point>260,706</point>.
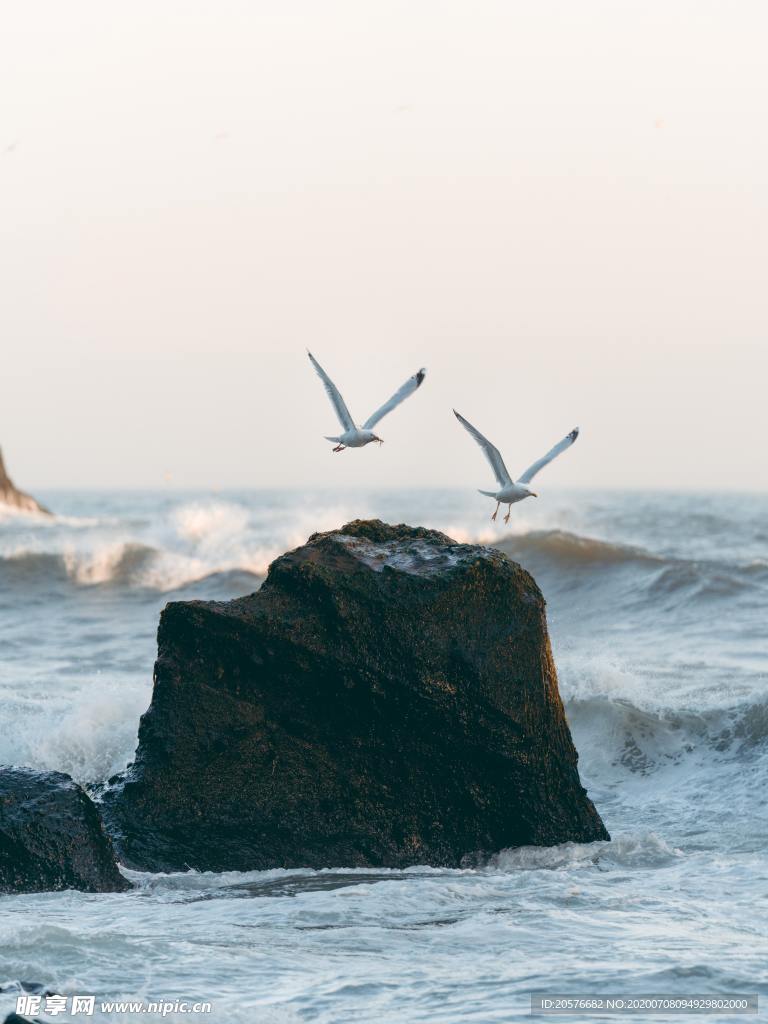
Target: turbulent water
<point>657,609</point>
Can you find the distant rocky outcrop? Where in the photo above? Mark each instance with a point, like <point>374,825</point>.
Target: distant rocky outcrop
<point>10,495</point>
<point>387,698</point>
<point>51,836</point>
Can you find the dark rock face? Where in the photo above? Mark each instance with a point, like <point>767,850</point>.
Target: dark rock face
<point>51,836</point>
<point>387,698</point>
<point>10,495</point>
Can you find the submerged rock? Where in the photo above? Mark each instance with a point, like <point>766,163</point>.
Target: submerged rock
<point>387,698</point>
<point>51,836</point>
<point>10,495</point>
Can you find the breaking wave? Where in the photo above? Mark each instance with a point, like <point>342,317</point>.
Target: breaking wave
<point>573,549</point>
<point>629,718</point>
<point>628,574</point>
<point>197,540</point>
<point>123,562</point>
<point>194,542</point>
<point>643,740</point>
<point>570,550</point>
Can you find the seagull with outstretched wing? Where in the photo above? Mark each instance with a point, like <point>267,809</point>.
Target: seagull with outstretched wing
<point>511,491</point>
<point>353,436</point>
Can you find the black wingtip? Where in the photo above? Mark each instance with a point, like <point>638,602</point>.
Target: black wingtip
<point>574,433</point>
<point>420,376</point>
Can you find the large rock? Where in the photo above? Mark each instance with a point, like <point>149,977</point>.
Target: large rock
<point>10,495</point>
<point>51,836</point>
<point>387,698</point>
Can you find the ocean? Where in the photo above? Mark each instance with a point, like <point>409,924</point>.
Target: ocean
<point>657,610</point>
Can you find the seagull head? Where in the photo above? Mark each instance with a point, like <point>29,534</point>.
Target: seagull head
<point>368,435</point>
<point>530,494</point>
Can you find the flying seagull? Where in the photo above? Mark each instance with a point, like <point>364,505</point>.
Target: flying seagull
<point>511,490</point>
<point>353,436</point>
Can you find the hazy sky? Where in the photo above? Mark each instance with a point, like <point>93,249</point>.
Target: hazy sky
<point>561,209</point>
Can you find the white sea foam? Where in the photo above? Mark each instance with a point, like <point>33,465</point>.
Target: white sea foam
<point>88,730</point>
<point>205,523</point>
<point>100,564</point>
<point>633,850</point>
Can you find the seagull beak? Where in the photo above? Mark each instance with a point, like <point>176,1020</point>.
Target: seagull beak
<point>534,495</point>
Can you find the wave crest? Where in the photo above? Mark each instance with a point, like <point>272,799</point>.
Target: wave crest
<point>194,541</point>
<point>575,549</point>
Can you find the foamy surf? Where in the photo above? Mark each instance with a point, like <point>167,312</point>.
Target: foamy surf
<point>192,541</point>
<point>634,850</point>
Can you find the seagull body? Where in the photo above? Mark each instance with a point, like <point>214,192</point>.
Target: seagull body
<point>354,436</point>
<point>511,491</point>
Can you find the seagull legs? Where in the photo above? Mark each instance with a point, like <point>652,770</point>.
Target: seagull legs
<point>338,448</point>
<point>498,505</point>
<point>509,513</point>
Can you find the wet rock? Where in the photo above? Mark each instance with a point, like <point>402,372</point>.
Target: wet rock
<point>11,496</point>
<point>387,698</point>
<point>51,836</point>
<point>20,988</point>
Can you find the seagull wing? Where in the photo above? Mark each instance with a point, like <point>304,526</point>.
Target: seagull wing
<point>333,393</point>
<point>560,447</point>
<point>491,452</point>
<point>412,384</point>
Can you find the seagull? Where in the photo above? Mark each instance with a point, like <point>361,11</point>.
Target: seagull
<point>353,436</point>
<point>511,491</point>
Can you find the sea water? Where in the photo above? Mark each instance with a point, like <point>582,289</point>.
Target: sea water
<point>657,610</point>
